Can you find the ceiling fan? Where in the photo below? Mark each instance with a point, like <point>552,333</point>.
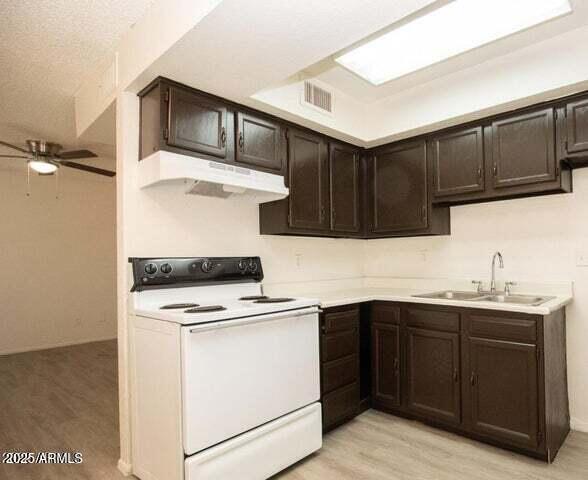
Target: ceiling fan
<point>46,157</point>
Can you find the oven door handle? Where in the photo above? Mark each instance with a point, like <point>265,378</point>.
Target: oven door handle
<point>253,319</point>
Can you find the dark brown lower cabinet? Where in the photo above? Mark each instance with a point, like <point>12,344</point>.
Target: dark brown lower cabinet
<point>340,382</point>
<point>498,377</point>
<point>386,365</point>
<point>503,390</point>
<point>433,372</point>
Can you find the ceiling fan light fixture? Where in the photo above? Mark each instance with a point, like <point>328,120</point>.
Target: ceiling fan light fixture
<point>43,167</point>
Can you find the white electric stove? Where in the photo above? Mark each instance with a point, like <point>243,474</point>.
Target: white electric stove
<point>225,380</point>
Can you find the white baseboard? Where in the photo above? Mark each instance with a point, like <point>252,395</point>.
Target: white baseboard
<point>125,468</point>
<point>579,425</point>
<point>56,345</point>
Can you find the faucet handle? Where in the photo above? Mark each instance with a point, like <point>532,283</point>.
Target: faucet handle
<point>508,286</point>
<point>478,283</point>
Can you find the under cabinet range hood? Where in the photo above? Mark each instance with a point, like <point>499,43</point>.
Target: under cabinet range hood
<point>199,176</point>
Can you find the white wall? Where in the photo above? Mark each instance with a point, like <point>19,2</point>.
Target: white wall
<point>57,257</point>
<point>539,238</point>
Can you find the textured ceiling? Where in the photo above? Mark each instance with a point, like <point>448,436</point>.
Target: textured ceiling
<point>47,49</point>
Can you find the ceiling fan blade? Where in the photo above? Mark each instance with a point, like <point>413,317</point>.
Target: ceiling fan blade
<point>87,168</point>
<point>14,156</point>
<point>9,145</point>
<point>73,154</point>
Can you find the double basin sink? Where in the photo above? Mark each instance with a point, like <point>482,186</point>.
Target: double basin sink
<point>529,300</point>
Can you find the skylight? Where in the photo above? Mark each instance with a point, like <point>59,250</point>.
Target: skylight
<point>455,28</point>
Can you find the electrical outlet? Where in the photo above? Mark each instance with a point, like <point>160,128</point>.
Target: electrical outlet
<point>298,260</point>
<point>582,257</point>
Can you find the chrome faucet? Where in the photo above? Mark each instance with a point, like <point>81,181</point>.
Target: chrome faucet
<point>501,265</point>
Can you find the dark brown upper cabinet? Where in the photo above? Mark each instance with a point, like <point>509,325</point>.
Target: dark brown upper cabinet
<point>258,142</point>
<point>196,123</point>
<point>398,180</point>
<point>308,173</point>
<point>325,182</point>
<point>344,188</point>
<point>577,126</point>
<point>523,149</point>
<point>398,197</point>
<point>433,374</point>
<point>182,120</point>
<point>574,137</point>
<point>457,162</point>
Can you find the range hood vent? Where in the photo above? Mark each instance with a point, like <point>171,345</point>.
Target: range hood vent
<point>210,178</point>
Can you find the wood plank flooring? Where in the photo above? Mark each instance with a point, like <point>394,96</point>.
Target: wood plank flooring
<point>378,446</point>
<point>61,400</point>
<point>66,400</point>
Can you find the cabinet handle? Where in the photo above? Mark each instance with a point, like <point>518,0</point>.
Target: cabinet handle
<point>396,364</point>
<point>424,212</point>
<point>241,142</point>
<point>455,376</point>
<point>322,214</point>
<point>223,136</point>
<point>479,173</point>
<point>473,379</point>
<point>333,215</point>
<point>495,169</point>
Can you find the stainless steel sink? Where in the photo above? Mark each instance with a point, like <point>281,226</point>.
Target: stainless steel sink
<point>452,295</point>
<point>530,300</point>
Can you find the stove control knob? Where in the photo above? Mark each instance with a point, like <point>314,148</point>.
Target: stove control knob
<point>206,266</point>
<point>166,268</point>
<point>253,267</point>
<point>242,264</point>
<point>150,269</point>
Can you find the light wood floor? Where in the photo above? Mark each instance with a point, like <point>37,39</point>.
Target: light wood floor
<point>61,400</point>
<point>377,446</point>
<point>66,400</point>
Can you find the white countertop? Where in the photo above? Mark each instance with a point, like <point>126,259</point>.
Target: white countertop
<point>366,294</point>
<point>332,293</point>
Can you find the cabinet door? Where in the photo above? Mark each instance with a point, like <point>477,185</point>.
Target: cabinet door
<point>458,162</point>
<point>523,149</point>
<point>258,142</point>
<point>344,188</point>
<point>433,387</point>
<point>503,390</point>
<point>308,181</point>
<point>197,123</point>
<point>386,365</point>
<point>399,188</point>
<point>577,126</point>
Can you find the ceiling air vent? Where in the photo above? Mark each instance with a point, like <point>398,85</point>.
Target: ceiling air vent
<point>317,98</point>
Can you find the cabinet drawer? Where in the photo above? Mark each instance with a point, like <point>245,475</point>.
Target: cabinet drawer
<point>432,319</point>
<point>340,405</point>
<point>503,328</point>
<point>339,344</point>
<point>339,373</point>
<point>385,313</point>
<point>341,320</point>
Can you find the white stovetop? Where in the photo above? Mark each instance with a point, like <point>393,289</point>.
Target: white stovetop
<point>336,293</point>
<point>148,303</point>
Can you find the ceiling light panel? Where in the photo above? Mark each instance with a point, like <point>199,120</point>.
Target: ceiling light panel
<point>457,27</point>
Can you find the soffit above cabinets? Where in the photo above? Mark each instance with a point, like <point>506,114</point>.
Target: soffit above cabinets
<point>332,73</point>
<point>269,51</point>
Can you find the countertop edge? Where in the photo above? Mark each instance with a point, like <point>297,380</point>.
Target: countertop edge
<point>546,309</point>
